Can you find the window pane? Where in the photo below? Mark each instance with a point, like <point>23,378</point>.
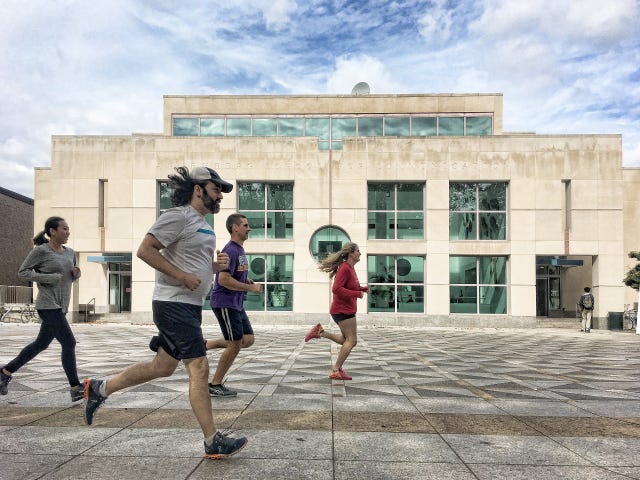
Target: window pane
<point>279,224</point>
<point>381,196</point>
<point>370,126</point>
<point>336,145</point>
<point>493,300</point>
<point>462,197</point>
<point>327,240</point>
<point>380,268</point>
<point>291,127</point>
<point>342,127</point>
<point>381,225</point>
<point>493,270</point>
<point>423,126</point>
<point>279,268</point>
<point>256,222</point>
<point>165,193</point>
<point>450,126</point>
<point>410,269</point>
<point>185,127</point>
<point>324,145</point>
<point>317,127</point>
<point>478,126</point>
<point>410,225</point>
<point>492,196</point>
<point>463,299</point>
<point>212,127</point>
<point>280,297</point>
<point>251,196</point>
<point>398,126</point>
<point>254,301</point>
<point>280,196</point>
<point>462,226</point>
<point>265,127</point>
<point>410,196</point>
<point>238,127</point>
<point>411,299</point>
<point>381,287</point>
<point>492,226</point>
<point>462,270</point>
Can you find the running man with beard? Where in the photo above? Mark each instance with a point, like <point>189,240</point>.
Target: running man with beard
<point>180,245</point>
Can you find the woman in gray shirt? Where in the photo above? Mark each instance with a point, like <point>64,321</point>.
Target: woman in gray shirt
<point>53,267</point>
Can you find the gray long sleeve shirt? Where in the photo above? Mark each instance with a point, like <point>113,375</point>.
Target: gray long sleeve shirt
<point>52,271</point>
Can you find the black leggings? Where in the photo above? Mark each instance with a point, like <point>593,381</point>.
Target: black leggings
<point>54,325</point>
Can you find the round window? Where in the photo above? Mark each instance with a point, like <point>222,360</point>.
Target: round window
<point>327,240</point>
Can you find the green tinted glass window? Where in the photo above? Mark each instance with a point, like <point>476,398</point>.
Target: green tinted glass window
<point>395,211</point>
<point>185,127</point>
<point>478,285</point>
<point>275,273</point>
<point>396,126</point>
<point>396,284</point>
<point>291,127</point>
<point>450,126</point>
<point>251,196</point>
<point>265,127</point>
<point>269,208</point>
<point>478,126</point>
<point>370,126</point>
<point>423,126</point>
<point>317,127</point>
<point>327,240</point>
<point>164,197</point>
<point>238,127</point>
<point>211,127</point>
<point>342,127</point>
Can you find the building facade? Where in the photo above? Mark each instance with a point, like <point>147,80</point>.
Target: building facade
<point>459,222</point>
<point>15,238</point>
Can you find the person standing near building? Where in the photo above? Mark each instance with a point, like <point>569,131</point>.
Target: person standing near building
<point>586,302</point>
<point>53,267</point>
<point>227,302</point>
<point>346,291</point>
<point>180,245</point>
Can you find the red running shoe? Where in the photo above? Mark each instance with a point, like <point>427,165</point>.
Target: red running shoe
<point>339,375</point>
<point>315,332</point>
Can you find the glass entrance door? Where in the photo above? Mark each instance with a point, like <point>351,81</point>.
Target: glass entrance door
<point>542,301</point>
<point>119,287</point>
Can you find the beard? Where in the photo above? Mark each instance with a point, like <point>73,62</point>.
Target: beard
<point>209,203</point>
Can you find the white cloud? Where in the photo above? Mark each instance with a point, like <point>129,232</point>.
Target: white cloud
<point>350,70</point>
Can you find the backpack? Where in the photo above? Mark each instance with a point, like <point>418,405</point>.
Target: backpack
<point>587,301</point>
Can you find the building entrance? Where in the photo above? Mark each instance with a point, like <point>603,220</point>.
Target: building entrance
<point>119,287</point>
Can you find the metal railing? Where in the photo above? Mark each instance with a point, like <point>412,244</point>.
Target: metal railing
<point>87,308</point>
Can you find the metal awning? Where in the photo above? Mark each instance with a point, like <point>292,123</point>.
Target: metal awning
<point>110,258</point>
<point>559,261</point>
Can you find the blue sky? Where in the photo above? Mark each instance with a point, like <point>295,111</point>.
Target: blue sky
<point>102,67</point>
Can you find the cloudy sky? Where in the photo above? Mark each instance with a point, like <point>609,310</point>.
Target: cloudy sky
<point>101,67</point>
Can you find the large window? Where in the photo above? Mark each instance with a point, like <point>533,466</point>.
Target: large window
<point>396,283</point>
<point>268,208</point>
<point>275,273</point>
<point>478,285</point>
<point>478,211</point>
<point>327,240</point>
<point>395,211</point>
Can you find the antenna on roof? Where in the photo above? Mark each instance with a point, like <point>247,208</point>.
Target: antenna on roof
<point>360,88</point>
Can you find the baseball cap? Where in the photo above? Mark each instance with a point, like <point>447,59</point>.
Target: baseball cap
<point>203,174</point>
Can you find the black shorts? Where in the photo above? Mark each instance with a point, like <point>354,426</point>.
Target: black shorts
<point>180,327</point>
<point>338,317</point>
<point>233,323</point>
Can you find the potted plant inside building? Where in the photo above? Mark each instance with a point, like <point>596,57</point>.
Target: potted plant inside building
<point>279,294</point>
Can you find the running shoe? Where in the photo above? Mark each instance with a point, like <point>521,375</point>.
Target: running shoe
<point>92,399</point>
<point>4,382</point>
<point>77,393</point>
<point>221,391</point>
<point>315,332</point>
<point>224,446</point>
<point>339,375</point>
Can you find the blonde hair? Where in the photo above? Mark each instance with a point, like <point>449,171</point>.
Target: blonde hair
<point>331,262</point>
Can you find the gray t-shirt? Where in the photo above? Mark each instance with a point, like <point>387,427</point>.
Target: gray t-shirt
<point>189,243</point>
<point>51,270</point>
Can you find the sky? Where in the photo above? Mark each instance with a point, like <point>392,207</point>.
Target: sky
<point>72,67</point>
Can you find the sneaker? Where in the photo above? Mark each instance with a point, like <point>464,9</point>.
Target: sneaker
<point>77,393</point>
<point>588,330</point>
<point>339,375</point>
<point>315,332</point>
<point>224,446</point>
<point>221,391</point>
<point>4,382</point>
<point>92,399</point>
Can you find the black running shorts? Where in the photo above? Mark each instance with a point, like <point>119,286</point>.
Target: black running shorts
<point>180,327</point>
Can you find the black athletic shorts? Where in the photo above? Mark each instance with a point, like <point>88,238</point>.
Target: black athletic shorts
<point>180,329</point>
<point>338,317</point>
<point>233,323</point>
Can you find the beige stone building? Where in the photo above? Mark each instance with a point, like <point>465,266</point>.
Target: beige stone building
<point>459,222</point>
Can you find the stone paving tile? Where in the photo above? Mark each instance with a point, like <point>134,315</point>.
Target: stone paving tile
<point>424,403</point>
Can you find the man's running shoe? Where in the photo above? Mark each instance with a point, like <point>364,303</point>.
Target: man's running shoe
<point>77,393</point>
<point>339,375</point>
<point>221,391</point>
<point>315,332</point>
<point>92,399</point>
<point>224,446</point>
<point>4,382</point>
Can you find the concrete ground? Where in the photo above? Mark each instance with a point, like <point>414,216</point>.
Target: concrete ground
<point>423,403</point>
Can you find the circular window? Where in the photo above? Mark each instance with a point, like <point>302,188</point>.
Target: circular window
<point>327,240</point>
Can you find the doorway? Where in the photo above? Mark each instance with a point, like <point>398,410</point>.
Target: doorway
<point>119,287</point>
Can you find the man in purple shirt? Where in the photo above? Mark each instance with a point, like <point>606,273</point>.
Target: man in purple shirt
<point>227,302</point>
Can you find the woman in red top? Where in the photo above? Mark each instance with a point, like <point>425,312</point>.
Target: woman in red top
<point>346,291</point>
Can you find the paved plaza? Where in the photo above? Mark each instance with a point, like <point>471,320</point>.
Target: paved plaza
<point>423,404</point>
